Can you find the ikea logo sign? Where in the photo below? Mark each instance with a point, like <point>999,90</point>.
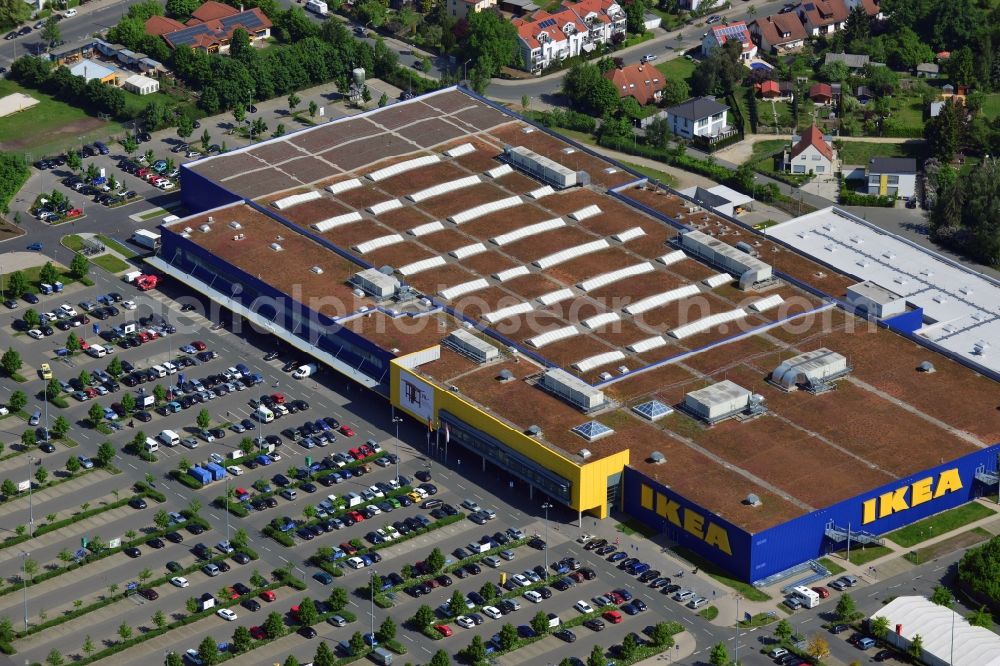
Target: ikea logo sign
<point>686,518</point>
<point>909,496</point>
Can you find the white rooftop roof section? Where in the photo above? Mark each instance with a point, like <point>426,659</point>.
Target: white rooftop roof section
<point>501,170</point>
<point>421,266</point>
<point>511,273</point>
<point>572,388</point>
<point>672,257</point>
<point>344,185</point>
<point>336,221</point>
<point>658,300</point>
<point>385,206</point>
<point>443,188</point>
<point>812,366</point>
<point>540,166</point>
<point>614,276</point>
<point>973,646</point>
<point>767,303</point>
<point>403,167</point>
<point>295,199</point>
<point>556,296</point>
<point>463,288</point>
<point>591,362</point>
<point>647,344</point>
<point>705,323</point>
<point>541,192</point>
<point>571,253</point>
<point>584,213</point>
<point>601,320</point>
<point>378,243</point>
<point>485,209</point>
<point>376,282</point>
<point>459,150</point>
<point>468,250</point>
<point>530,230</point>
<point>540,341</point>
<point>425,229</point>
<point>961,306</point>
<point>511,311</point>
<point>728,257</point>
<point>470,345</point>
<point>717,280</point>
<point>875,293</point>
<point>629,234</point>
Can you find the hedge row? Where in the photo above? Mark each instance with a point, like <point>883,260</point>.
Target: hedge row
<point>45,528</point>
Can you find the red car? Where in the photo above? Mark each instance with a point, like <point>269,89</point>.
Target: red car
<point>91,392</point>
<point>615,597</point>
<point>257,633</point>
<point>444,630</point>
<point>199,345</point>
<point>233,594</point>
<point>356,454</point>
<point>242,494</point>
<point>614,617</point>
<point>367,450</point>
<point>346,430</point>
<point>822,592</point>
<point>278,398</point>
<point>268,595</point>
<point>348,548</point>
<point>76,212</point>
<point>143,337</point>
<point>357,516</point>
<point>142,172</point>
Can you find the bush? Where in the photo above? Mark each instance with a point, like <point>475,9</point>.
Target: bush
<point>565,118</point>
<point>849,198</point>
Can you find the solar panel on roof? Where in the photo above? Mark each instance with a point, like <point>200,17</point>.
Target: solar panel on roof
<point>652,410</point>
<point>592,430</point>
<point>547,23</point>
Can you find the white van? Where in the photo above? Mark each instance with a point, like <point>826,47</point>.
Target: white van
<point>303,371</point>
<point>97,351</point>
<point>159,370</point>
<point>169,438</point>
<point>170,368</point>
<point>131,276</point>
<point>152,446</point>
<point>264,415</point>
<point>317,7</point>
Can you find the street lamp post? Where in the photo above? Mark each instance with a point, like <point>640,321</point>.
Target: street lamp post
<point>24,581</point>
<point>372,596</point>
<point>736,646</point>
<point>465,70</point>
<point>227,509</point>
<point>397,420</point>
<point>546,506</point>
<point>31,508</point>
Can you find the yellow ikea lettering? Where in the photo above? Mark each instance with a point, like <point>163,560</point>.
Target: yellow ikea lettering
<point>689,520</point>
<point>920,492</point>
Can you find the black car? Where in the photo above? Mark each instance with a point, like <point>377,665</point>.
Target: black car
<point>156,543</point>
<point>594,624</point>
<point>839,628</point>
<point>241,558</point>
<point>595,543</point>
<point>137,503</point>
<point>195,528</point>
<point>305,535</point>
<point>47,447</point>
<point>173,537</point>
<point>251,605</point>
<point>883,655</point>
<point>537,543</point>
<point>174,567</point>
<point>473,568</point>
<point>149,593</point>
<point>30,298</point>
<point>133,552</point>
<point>562,585</point>
<point>307,487</point>
<point>565,635</point>
<point>201,551</point>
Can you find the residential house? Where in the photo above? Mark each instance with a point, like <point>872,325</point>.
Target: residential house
<point>211,27</point>
<point>850,60</point>
<point>823,17</point>
<point>768,89</point>
<point>695,5</point>
<point>892,176</point>
<point>929,70</point>
<point>459,9</point>
<point>643,82</point>
<point>573,29</point>
<point>779,34</point>
<point>720,34</point>
<point>810,153</point>
<point>518,7</point>
<point>872,7</point>
<point>698,116</point>
<point>91,70</point>
<point>821,93</point>
<point>863,94</point>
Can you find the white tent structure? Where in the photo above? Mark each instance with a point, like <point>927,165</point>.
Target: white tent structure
<point>947,638</point>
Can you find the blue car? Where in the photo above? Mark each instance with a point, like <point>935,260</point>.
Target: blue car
<point>524,631</point>
<point>617,557</point>
<point>35,247</point>
<point>263,460</point>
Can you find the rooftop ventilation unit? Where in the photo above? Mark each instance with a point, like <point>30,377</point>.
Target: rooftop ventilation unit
<point>813,370</point>
<point>505,375</point>
<point>657,458</point>
<point>572,389</point>
<point>204,228</point>
<point>472,346</point>
<point>585,453</point>
<point>239,237</point>
<point>317,270</point>
<point>211,219</point>
<point>235,225</point>
<point>926,366</point>
<point>534,431</point>
<point>718,402</point>
<point>752,500</point>
<point>276,247</point>
<point>376,283</point>
<point>541,167</point>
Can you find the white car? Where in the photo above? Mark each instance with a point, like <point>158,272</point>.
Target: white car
<point>216,458</point>
<point>356,563</point>
<point>235,470</point>
<point>165,185</point>
<point>226,614</point>
<point>584,538</point>
<point>465,622</point>
<point>492,612</point>
<point>36,334</point>
<point>225,547</point>
<point>533,596</point>
<point>275,456</point>
<point>129,305</point>
<point>376,491</point>
<point>649,57</point>
<point>69,13</point>
<point>522,581</point>
<point>179,581</point>
<point>583,606</point>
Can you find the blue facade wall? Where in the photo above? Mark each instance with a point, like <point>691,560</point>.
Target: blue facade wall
<point>199,193</point>
<point>756,556</point>
<point>906,323</point>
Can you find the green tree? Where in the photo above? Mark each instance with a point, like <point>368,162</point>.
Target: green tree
<point>242,640</point>
<point>540,623</point>
<point>6,630</point>
<point>435,561</point>
<point>981,618</point>
<point>18,399</point>
<point>182,9</point>
<point>338,599</point>
<point>31,318</point>
<point>50,32</point>
<point>313,109</point>
<point>421,619</point>
<point>324,655</point>
<point>115,368</point>
<point>159,393</point>
<point>130,144</point>
<point>635,16</point>
<point>17,284</point>
<point>246,446</point>
<point>916,648</point>
<point>675,91</point>
<point>124,631</point>
<point>661,635</point>
<point>84,378</point>
<point>508,636</point>
<point>386,630</point>
<point>185,127</point>
<point>383,100</point>
<point>208,651</point>
<point>357,643</point>
<point>204,419</point>
<point>206,139</point>
<point>105,454</point>
<point>53,389</point>
<point>88,645</point>
<point>161,519</point>
<point>73,342</point>
<point>475,653</point>
<point>308,615</point>
<point>259,127</point>
<point>30,568</point>
<point>596,657</point>
<point>13,12</point>
<point>173,659</point>
<point>8,488</point>
<point>942,596</point>
<point>491,42</point>
<point>257,580</point>
<point>72,465</point>
<point>783,631</point>
<point>54,658</point>
<point>943,131</point>
<point>128,403</point>
<point>879,627</point>
<point>159,619</point>
<point>846,609</point>
<point>290,660</point>
<point>60,426</point>
<point>456,605</point>
<point>41,475</point>
<point>28,439</point>
<point>49,273</point>
<point>630,646</point>
<point>588,91</point>
<point>274,626</point>
<point>440,658</point>
<point>719,655</point>
<point>489,591</point>
<point>293,101</point>
<point>11,361</point>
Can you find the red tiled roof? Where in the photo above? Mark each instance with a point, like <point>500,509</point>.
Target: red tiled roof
<point>212,10</point>
<point>723,33</point>
<point>813,137</point>
<point>824,12</point>
<point>775,28</point>
<point>569,13</point>
<point>215,32</point>
<point>639,81</point>
<point>161,25</point>
<point>772,87</point>
<point>871,7</point>
<point>821,90</point>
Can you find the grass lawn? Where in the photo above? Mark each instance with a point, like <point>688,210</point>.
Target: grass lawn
<point>909,112</point>
<point>49,125</point>
<point>632,527</point>
<point>991,105</point>
<point>940,524</point>
<point>949,545</point>
<point>748,591</point>
<point>110,263</point>
<point>73,242</point>
<point>864,554</point>
<point>136,104</point>
<point>677,68</point>
<point>832,566</point>
<point>759,620</point>
<point>116,246</point>
<point>31,274</point>
<point>860,152</point>
<point>662,177</point>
